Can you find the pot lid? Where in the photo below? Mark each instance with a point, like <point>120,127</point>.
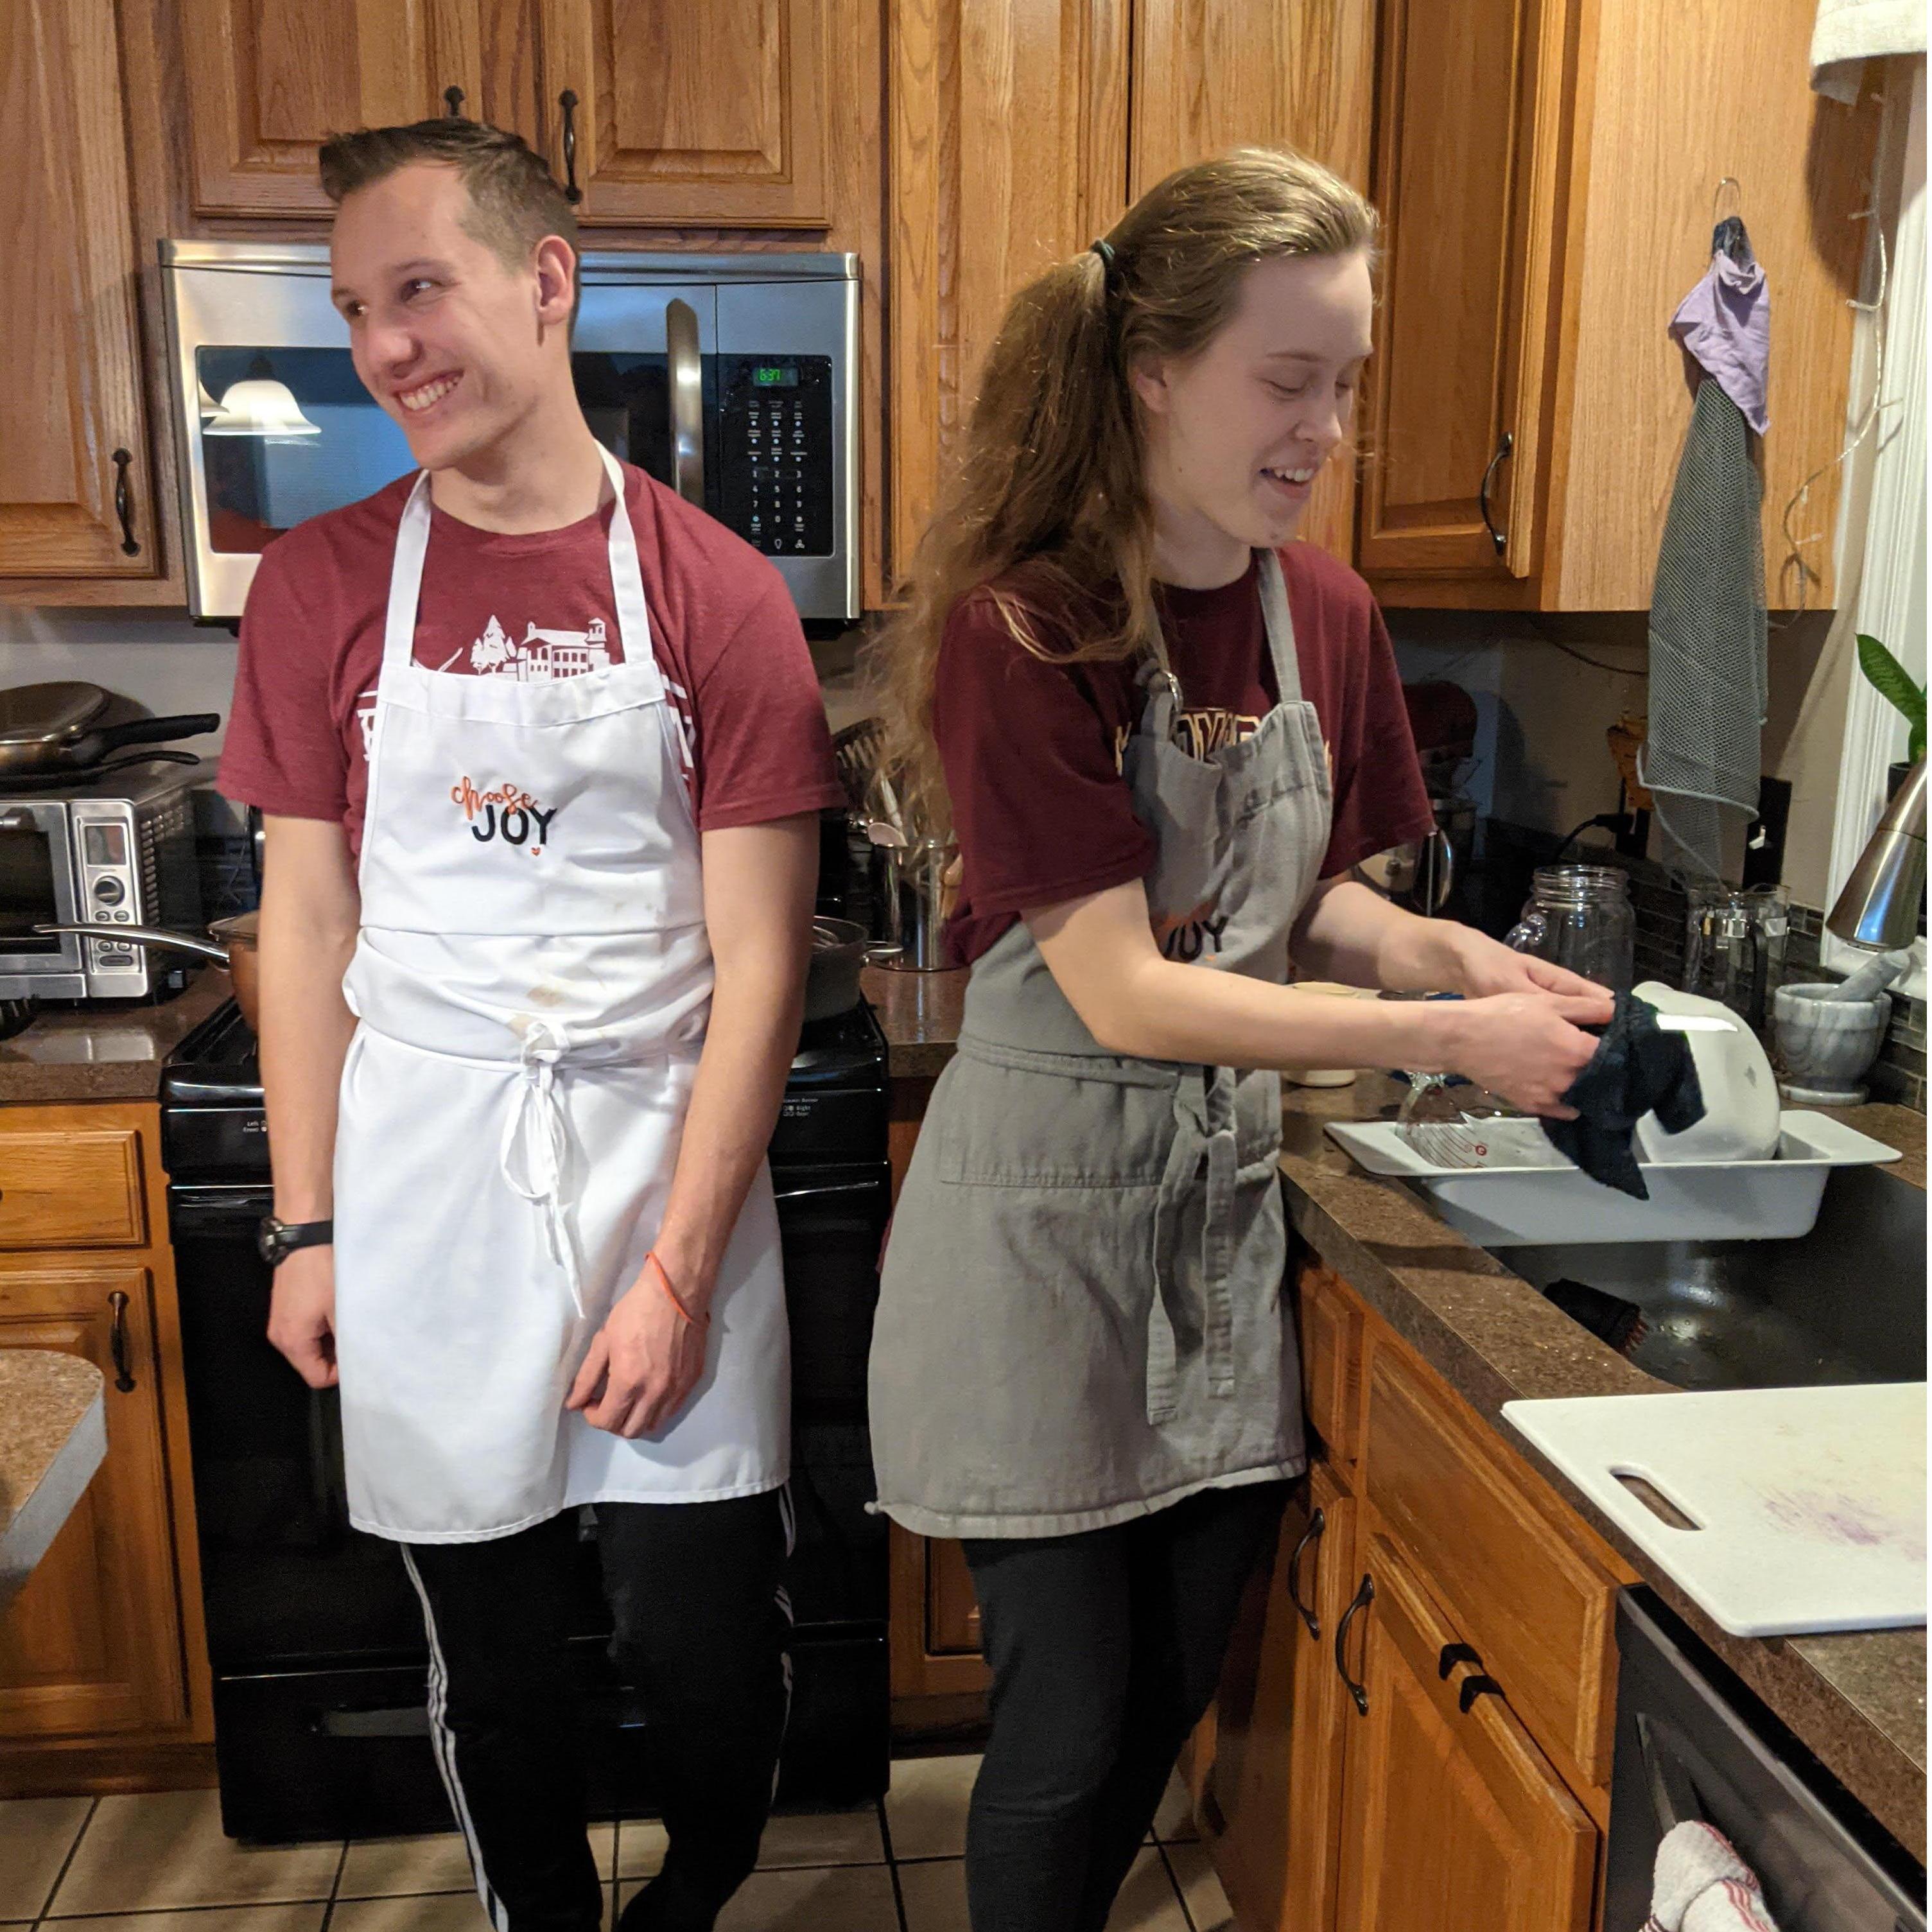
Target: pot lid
<point>48,714</point>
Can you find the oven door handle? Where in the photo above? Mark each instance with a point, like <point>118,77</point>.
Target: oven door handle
<point>687,401</point>
<point>809,1192</point>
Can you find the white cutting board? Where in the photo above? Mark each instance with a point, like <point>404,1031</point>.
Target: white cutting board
<point>1811,1501</point>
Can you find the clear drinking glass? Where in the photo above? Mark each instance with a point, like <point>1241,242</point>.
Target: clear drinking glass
<point>1580,916</point>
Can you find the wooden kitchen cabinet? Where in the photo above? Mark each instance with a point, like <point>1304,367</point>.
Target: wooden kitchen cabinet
<point>1548,172</point>
<point>1452,1818</point>
<point>77,495</point>
<point>103,1669</point>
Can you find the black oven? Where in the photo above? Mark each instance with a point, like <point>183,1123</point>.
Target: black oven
<point>314,1633</point>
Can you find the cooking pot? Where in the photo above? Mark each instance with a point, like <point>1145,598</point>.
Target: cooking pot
<point>839,951</point>
<point>47,730</point>
<point>232,943</point>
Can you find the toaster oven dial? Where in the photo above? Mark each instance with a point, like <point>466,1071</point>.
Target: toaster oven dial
<point>109,891</point>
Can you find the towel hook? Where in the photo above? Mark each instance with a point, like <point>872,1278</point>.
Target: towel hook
<point>1736,187</point>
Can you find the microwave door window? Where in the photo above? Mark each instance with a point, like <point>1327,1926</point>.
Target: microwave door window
<point>626,400</point>
<point>286,434</point>
<point>27,897</point>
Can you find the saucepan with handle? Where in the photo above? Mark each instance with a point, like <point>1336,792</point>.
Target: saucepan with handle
<point>232,942</point>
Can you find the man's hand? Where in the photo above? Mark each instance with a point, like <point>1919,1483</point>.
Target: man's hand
<point>301,1314</point>
<point>642,1364</point>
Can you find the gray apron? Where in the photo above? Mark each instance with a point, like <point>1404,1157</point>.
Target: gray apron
<point>1081,1316</point>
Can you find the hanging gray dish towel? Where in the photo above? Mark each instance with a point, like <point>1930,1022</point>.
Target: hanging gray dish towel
<point>1708,641</point>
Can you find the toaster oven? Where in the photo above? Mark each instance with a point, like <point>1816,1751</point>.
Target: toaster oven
<point>115,849</point>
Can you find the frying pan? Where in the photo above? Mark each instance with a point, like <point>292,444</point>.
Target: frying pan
<point>46,729</point>
<point>232,942</point>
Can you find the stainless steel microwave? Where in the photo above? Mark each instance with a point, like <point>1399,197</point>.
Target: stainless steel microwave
<point>115,847</point>
<point>734,378</point>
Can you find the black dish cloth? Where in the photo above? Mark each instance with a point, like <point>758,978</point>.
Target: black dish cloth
<point>1638,1068</point>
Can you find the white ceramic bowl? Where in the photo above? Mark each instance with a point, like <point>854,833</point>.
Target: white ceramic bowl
<point>1740,1101</point>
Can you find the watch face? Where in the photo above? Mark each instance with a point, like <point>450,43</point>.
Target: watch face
<point>268,1240</point>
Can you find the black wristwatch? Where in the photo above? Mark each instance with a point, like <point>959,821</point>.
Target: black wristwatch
<point>276,1240</point>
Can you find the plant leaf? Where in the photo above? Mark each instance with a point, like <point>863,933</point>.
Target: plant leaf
<point>1888,677</point>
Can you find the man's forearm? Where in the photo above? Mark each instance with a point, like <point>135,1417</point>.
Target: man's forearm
<point>734,1105</point>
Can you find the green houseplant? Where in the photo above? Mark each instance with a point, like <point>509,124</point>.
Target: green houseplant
<point>1893,682</point>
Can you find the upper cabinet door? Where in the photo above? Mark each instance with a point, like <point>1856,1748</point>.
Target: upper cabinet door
<point>76,498</point>
<point>1210,75</point>
<point>267,80</point>
<point>705,115</point>
<point>1007,153</point>
<point>1467,172</point>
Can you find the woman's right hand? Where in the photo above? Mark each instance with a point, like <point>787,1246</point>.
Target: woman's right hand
<point>1527,1047</point>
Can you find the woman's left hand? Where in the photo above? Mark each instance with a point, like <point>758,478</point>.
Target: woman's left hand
<point>1485,966</point>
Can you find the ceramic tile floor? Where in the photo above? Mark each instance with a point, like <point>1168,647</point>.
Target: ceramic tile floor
<point>160,1864</point>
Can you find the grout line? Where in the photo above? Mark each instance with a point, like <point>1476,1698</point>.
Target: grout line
<point>1173,1880</point>
<point>891,1862</point>
<point>335,1887</point>
<point>60,1877</point>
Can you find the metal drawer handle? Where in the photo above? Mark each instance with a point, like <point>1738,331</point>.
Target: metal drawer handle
<point>1474,1687</point>
<point>1317,1523</point>
<point>567,101</point>
<point>1363,1597</point>
<point>117,1342</point>
<point>123,502</point>
<point>1503,450</point>
<point>1454,1654</point>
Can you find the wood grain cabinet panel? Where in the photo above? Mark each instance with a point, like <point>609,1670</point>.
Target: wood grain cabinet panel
<point>65,1184</point>
<point>703,115</point>
<point>92,1646</point>
<point>1500,1558</point>
<point>1331,1330</point>
<point>267,80</point>
<point>1210,75</point>
<point>72,420</point>
<point>1454,1820</point>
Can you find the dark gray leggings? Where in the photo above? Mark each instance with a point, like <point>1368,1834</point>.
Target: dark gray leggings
<point>1105,1649</point>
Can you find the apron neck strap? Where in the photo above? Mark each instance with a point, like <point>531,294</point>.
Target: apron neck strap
<point>1279,621</point>
<point>627,583</point>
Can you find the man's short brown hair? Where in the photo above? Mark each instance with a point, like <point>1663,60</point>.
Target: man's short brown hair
<point>514,201</point>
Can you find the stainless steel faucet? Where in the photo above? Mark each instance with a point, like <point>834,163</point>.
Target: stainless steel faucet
<point>1879,907</point>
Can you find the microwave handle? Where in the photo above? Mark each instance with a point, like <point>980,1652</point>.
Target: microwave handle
<point>687,402</point>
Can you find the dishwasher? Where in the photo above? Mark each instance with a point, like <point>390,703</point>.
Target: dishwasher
<point>1692,1744</point>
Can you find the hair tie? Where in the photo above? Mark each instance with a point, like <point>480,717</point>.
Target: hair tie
<point>1105,250</point>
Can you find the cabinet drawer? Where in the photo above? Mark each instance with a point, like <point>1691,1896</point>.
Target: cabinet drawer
<point>80,1189</point>
<point>1331,1331</point>
<point>1539,1608</point>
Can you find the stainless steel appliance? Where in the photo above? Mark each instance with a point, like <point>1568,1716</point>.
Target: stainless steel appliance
<point>1692,1744</point>
<point>314,1633</point>
<point>734,378</point>
<point>114,847</point>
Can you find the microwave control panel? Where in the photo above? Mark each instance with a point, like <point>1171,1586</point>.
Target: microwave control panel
<point>776,470</point>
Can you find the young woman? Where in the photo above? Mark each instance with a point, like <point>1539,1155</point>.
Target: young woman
<point>1164,732</point>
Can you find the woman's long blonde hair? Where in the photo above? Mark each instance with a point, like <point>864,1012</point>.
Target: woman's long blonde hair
<point>1050,473</point>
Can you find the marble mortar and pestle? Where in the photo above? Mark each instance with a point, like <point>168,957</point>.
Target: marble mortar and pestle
<point>1825,1036</point>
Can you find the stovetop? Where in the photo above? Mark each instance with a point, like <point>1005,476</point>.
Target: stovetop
<point>214,1128</point>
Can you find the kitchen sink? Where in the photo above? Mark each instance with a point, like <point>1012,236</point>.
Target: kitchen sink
<point>1844,1303</point>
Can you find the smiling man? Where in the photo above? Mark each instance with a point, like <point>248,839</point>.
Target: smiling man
<point>541,752</point>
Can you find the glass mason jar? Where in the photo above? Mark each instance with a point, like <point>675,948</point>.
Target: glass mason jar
<point>1581,916</point>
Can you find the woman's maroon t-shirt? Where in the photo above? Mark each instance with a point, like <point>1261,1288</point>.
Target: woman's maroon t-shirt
<point>1032,750</point>
<point>724,629</point>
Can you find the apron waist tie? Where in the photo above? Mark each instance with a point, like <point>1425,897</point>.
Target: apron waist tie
<point>536,1145</point>
<point>1203,1133</point>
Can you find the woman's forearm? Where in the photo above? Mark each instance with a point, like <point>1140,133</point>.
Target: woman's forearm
<point>1349,932</point>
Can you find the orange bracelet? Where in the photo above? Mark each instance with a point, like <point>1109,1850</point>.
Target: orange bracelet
<point>664,1281</point>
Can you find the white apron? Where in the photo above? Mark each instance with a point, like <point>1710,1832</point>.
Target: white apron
<point>533,979</point>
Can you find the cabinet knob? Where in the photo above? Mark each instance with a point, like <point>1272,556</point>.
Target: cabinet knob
<point>452,104</point>
<point>567,101</point>
<point>1474,1687</point>
<point>1454,1654</point>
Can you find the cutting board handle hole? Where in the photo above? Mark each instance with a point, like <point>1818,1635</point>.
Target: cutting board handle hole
<point>1655,1501</point>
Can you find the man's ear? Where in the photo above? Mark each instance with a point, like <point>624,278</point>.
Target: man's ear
<point>556,280</point>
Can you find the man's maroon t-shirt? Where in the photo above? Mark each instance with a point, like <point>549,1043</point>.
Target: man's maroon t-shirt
<point>1032,750</point>
<point>724,629</point>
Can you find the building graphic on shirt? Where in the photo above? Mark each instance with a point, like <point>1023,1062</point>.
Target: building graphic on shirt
<point>543,655</point>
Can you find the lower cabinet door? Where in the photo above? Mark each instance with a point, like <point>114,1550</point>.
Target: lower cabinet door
<point>1453,1818</point>
<point>92,1645</point>
<point>1278,1769</point>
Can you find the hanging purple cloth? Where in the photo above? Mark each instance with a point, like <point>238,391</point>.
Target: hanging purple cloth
<point>1724,325</point>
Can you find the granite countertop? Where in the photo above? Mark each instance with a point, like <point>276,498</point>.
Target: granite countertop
<point>102,1052</point>
<point>919,1013</point>
<point>53,1434</point>
<point>1856,1700</point>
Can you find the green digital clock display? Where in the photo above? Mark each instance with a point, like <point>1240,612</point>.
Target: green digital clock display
<point>774,376</point>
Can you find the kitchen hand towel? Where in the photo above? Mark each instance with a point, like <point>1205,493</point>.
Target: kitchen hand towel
<point>1638,1070</point>
<point>1702,750</point>
<point>1723,325</point>
<point>1702,1885</point>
